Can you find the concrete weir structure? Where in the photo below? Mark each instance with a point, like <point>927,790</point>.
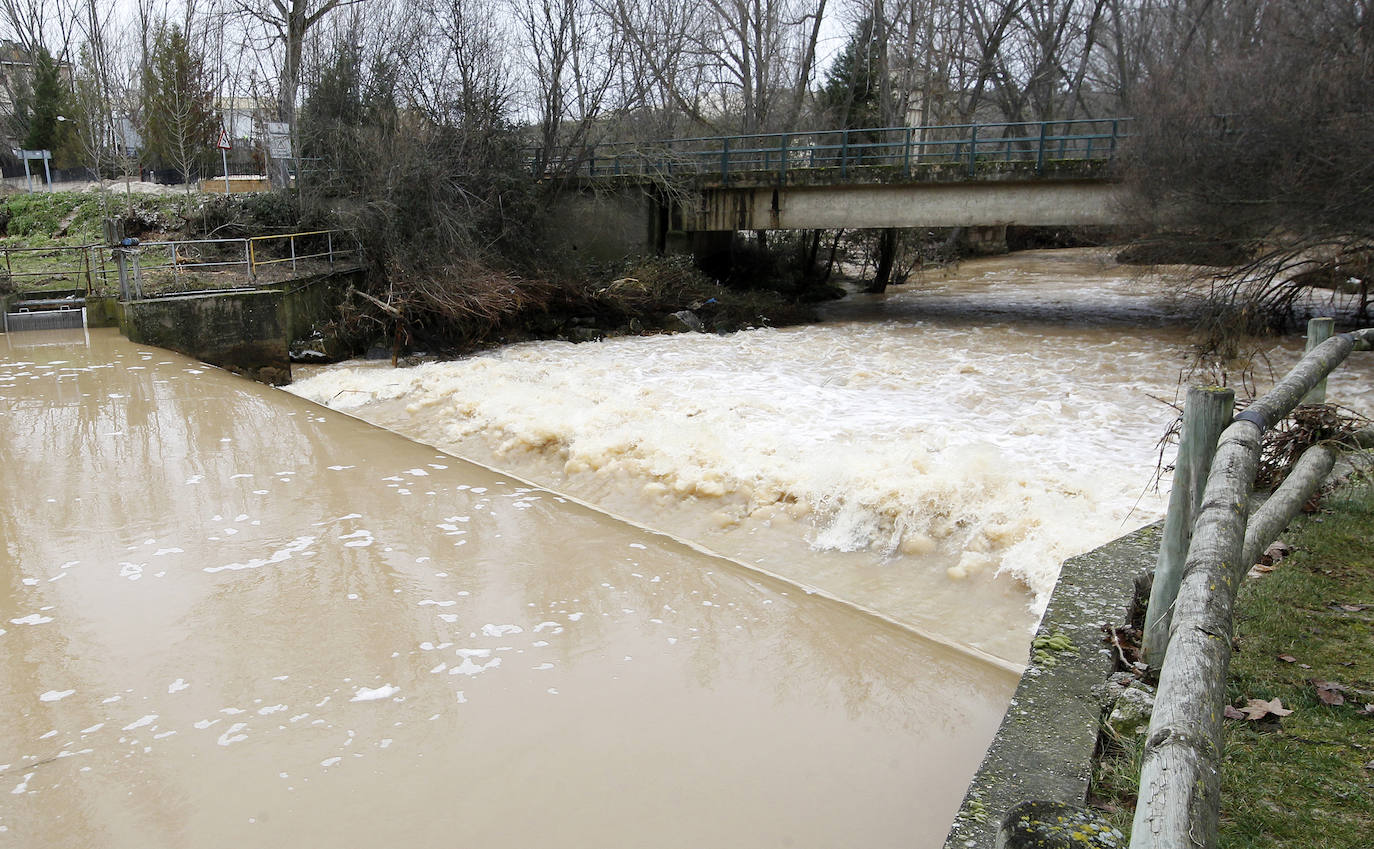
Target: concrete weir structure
<point>246,331</point>
<point>240,331</point>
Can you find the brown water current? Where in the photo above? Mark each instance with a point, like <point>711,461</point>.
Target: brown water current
<point>230,617</point>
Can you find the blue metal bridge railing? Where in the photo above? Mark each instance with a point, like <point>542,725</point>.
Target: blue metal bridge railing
<point>896,148</point>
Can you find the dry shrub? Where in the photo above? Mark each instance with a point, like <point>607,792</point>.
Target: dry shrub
<point>1306,426</point>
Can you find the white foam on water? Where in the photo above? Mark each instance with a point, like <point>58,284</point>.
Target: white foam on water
<point>284,553</point>
<point>177,686</point>
<point>31,619</point>
<point>358,539</point>
<point>972,445</point>
<point>469,668</point>
<point>233,734</point>
<point>839,431</point>
<point>385,691</point>
<point>55,695</point>
<point>147,719</point>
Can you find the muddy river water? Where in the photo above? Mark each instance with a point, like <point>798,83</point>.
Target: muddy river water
<point>756,590</point>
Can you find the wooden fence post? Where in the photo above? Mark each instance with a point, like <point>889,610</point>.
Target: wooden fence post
<point>1206,413</point>
<point>1180,773</point>
<point>1318,331</point>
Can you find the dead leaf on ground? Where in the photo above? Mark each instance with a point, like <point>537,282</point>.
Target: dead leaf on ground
<point>1232,713</point>
<point>1368,711</point>
<point>1288,658</point>
<point>1330,692</point>
<point>1258,709</point>
<point>1350,608</point>
<point>1278,550</point>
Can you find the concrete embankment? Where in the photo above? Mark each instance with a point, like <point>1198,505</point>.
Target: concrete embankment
<point>1033,782</point>
<point>248,332</point>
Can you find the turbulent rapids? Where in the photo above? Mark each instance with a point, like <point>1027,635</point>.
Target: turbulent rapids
<point>916,454</point>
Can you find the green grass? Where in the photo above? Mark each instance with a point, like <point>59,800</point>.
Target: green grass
<point>1306,780</point>
<point>43,219</point>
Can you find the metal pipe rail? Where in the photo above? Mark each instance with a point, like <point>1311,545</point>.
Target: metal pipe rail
<point>82,265</point>
<point>178,257</point>
<point>248,253</point>
<point>899,148</point>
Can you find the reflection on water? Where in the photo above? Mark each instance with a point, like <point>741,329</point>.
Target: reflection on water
<point>229,617</point>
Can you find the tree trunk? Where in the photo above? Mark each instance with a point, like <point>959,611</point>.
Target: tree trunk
<point>830,263</point>
<point>812,253</point>
<point>887,256</point>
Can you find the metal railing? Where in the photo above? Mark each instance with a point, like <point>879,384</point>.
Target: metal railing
<point>842,151</point>
<point>81,265</point>
<point>251,256</point>
<point>176,264</point>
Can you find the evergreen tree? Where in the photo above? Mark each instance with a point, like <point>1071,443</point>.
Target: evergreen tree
<point>852,96</point>
<point>181,123</point>
<point>48,100</point>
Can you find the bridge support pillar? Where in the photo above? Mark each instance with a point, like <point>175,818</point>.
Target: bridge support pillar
<point>984,241</point>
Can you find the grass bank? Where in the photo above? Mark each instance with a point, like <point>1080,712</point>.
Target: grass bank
<point>1305,637</point>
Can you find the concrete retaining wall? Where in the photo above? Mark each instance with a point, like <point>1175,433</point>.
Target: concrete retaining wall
<point>240,331</point>
<point>1043,751</point>
<point>308,303</point>
<point>606,226</point>
<point>104,311</point>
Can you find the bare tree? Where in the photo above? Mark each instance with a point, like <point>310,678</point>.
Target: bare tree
<point>287,23</point>
<point>39,24</point>
<point>574,54</point>
<point>1266,163</point>
<point>729,65</point>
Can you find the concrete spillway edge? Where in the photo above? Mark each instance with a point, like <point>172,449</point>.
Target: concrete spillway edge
<point>1044,748</point>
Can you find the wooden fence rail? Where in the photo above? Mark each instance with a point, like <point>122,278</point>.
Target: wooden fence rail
<point>1180,775</point>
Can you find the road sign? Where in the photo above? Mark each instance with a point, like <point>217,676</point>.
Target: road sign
<point>223,143</point>
<point>279,140</point>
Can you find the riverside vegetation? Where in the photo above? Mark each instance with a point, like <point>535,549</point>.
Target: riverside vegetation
<point>638,295</point>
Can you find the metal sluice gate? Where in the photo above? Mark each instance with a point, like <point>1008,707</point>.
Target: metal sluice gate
<point>44,317</point>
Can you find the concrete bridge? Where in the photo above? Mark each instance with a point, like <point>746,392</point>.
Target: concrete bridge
<point>666,195</point>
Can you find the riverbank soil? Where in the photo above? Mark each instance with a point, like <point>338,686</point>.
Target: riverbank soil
<point>1305,634</point>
